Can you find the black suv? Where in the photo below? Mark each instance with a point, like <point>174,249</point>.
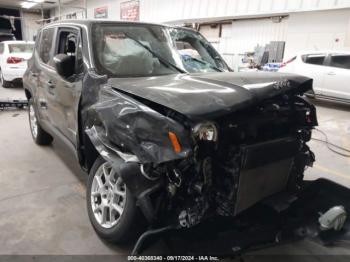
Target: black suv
<point>169,135</point>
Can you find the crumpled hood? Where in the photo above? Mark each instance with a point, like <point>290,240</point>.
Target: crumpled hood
<point>209,95</point>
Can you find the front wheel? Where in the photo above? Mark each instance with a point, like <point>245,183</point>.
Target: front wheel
<point>111,207</point>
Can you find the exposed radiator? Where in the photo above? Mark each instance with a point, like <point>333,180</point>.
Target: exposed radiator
<point>265,170</point>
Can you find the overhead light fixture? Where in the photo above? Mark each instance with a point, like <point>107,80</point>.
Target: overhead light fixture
<point>37,1</point>
<point>28,5</point>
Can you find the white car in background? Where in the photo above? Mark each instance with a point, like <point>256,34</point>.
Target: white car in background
<point>13,60</point>
<point>330,71</point>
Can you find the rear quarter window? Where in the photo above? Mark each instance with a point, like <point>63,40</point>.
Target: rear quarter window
<point>314,59</point>
<point>340,61</point>
<point>45,47</point>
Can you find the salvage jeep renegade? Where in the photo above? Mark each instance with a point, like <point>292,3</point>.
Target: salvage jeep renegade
<point>167,132</point>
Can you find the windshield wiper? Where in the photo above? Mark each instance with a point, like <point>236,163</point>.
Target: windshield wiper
<point>162,60</point>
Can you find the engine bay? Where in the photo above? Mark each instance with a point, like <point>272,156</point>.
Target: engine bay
<point>237,161</point>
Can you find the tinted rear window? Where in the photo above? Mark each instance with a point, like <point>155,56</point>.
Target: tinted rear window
<point>340,61</point>
<point>314,59</point>
<point>21,48</point>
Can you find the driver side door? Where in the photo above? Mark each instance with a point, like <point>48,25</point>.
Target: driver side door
<point>65,92</point>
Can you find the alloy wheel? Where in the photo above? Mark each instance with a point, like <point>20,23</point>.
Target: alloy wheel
<point>108,196</point>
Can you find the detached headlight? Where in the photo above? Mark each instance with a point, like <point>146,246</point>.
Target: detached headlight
<point>206,131</point>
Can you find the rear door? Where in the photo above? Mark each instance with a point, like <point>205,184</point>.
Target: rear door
<point>312,66</point>
<point>337,76</point>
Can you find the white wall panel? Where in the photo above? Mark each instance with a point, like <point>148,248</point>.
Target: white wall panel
<point>294,5</point>
<point>325,3</point>
<point>188,10</point>
<point>247,34</point>
<point>317,30</point>
<point>305,31</point>
<point>179,11</point>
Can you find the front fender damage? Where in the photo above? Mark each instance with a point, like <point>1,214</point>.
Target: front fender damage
<point>129,135</point>
<point>119,124</point>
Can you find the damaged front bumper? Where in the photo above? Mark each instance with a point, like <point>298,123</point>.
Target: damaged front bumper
<point>266,225</point>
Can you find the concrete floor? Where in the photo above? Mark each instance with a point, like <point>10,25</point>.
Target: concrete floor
<point>42,196</point>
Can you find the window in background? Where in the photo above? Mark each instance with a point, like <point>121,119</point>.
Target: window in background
<point>340,61</point>
<point>314,59</point>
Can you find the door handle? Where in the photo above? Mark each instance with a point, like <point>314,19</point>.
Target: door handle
<point>50,84</point>
<point>331,74</point>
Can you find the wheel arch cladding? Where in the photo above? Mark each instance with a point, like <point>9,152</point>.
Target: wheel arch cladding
<point>120,126</point>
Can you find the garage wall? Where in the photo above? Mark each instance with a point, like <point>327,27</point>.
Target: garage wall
<point>112,5</point>
<point>66,11</point>
<point>190,10</point>
<point>304,31</point>
<point>318,30</point>
<point>304,26</point>
<point>29,25</point>
<point>245,35</point>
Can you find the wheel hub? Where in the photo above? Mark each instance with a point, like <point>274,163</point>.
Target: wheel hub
<point>108,196</point>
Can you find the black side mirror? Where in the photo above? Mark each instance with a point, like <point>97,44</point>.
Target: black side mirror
<point>65,65</point>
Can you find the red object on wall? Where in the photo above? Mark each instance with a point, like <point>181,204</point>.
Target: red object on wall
<point>101,12</point>
<point>130,10</point>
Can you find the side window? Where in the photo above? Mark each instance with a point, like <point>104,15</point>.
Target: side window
<point>1,49</point>
<point>46,44</point>
<point>68,43</point>
<point>314,59</point>
<point>340,61</point>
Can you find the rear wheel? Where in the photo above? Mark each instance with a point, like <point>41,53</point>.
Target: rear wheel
<point>40,136</point>
<point>111,207</point>
<point>3,82</point>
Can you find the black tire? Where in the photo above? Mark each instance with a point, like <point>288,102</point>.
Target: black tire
<point>41,137</point>
<point>4,83</point>
<point>131,222</point>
